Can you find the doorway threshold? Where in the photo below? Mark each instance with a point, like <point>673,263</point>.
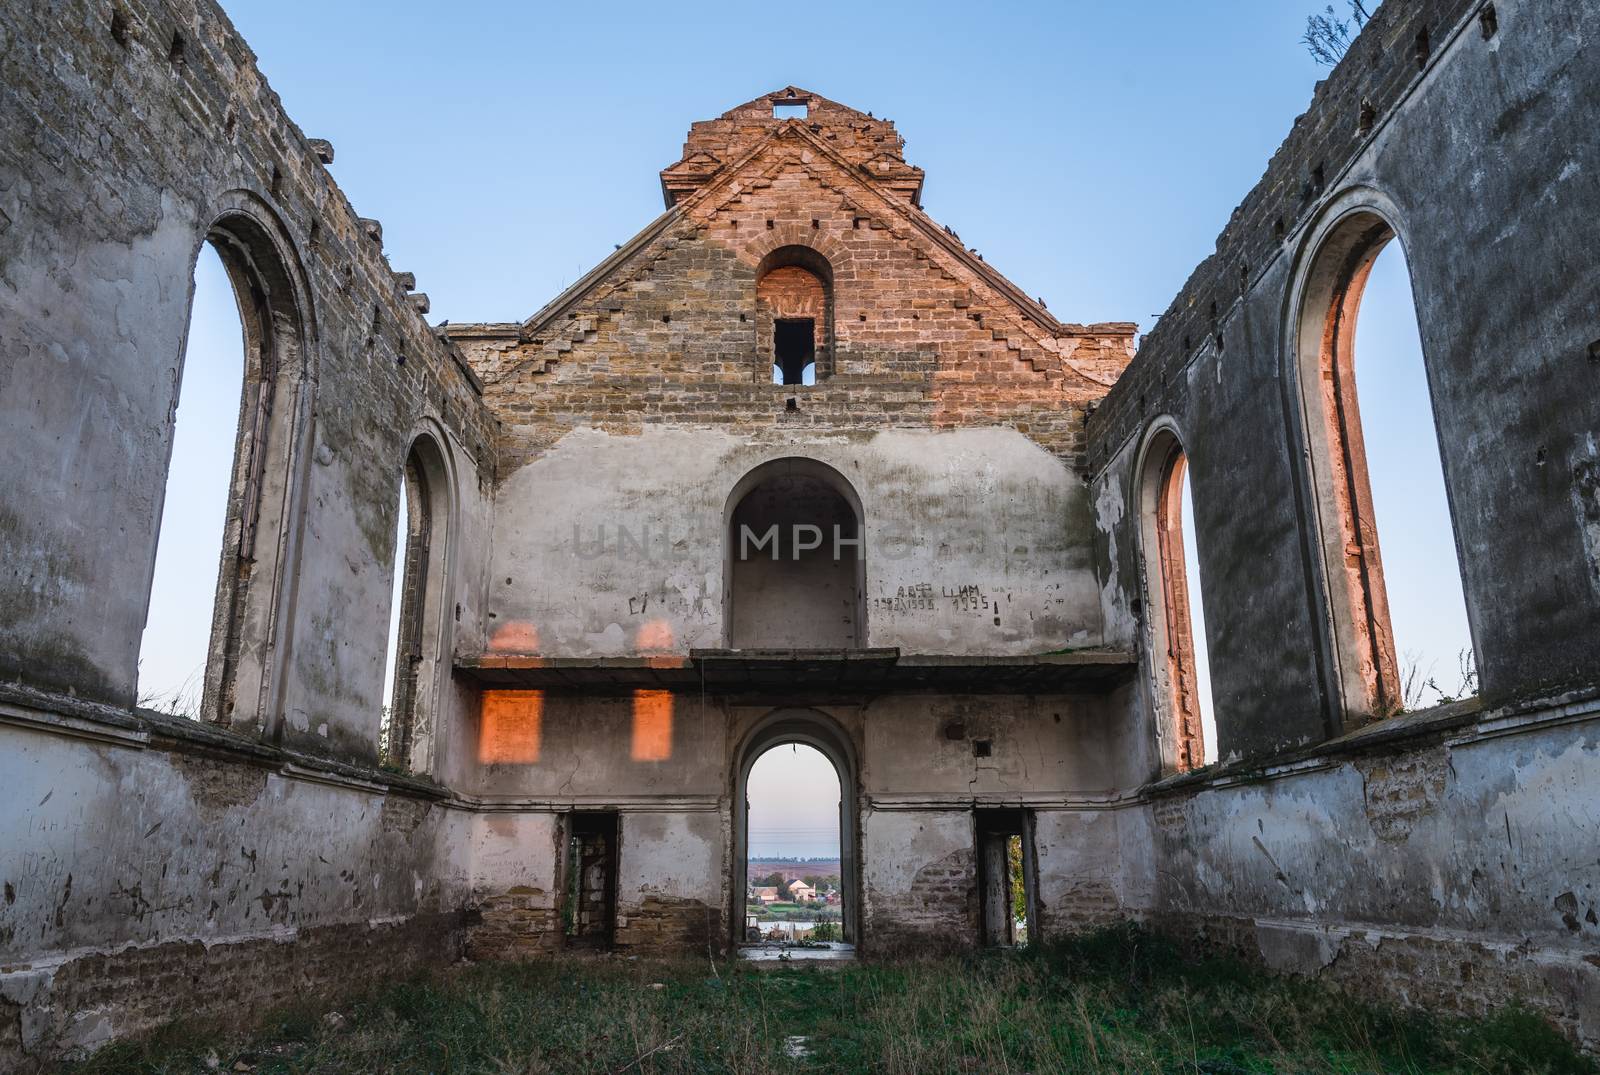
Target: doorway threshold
<point>779,954</point>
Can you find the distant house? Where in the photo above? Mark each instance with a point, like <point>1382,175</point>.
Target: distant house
<point>800,892</point>
<point>767,894</point>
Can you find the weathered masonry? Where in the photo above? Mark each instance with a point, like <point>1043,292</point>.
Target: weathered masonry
<point>792,465</point>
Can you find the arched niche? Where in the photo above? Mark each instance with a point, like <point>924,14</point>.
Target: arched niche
<point>794,559</point>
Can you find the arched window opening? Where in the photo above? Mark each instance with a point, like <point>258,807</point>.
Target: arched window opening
<point>258,407</point>
<point>177,642</point>
<point>1186,733</point>
<point>794,560</point>
<point>794,314</point>
<point>413,646</point>
<point>1399,612</point>
<point>794,883</point>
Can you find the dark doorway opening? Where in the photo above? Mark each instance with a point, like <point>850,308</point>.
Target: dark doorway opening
<point>590,906</point>
<point>1005,876</point>
<point>794,347</point>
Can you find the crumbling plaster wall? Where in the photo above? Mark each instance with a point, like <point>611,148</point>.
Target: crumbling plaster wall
<point>146,865</point>
<point>118,152</point>
<point>152,864</point>
<point>1481,163</point>
<point>1448,857</point>
<point>918,780</point>
<point>976,541</point>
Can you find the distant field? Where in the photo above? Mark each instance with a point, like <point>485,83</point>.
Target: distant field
<point>793,870</point>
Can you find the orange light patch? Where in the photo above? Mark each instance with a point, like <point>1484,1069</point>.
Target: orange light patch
<point>511,726</point>
<point>652,725</point>
<point>655,636</point>
<point>518,636</point>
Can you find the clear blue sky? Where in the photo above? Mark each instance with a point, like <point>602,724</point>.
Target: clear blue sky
<point>1091,152</point>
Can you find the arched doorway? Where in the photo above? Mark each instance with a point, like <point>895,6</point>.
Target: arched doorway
<point>809,728</point>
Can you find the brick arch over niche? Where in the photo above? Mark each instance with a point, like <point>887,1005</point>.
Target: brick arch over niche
<point>794,315</point>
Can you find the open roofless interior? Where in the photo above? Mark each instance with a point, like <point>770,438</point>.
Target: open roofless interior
<point>342,642</point>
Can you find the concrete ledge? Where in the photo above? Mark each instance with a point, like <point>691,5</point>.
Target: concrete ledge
<point>145,728</point>
<point>819,672</point>
<point>1462,721</point>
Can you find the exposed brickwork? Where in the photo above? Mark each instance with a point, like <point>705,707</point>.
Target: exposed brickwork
<point>1402,789</point>
<point>518,924</point>
<point>664,926</point>
<point>228,984</point>
<point>924,335</point>
<point>1440,973</point>
<point>938,910</point>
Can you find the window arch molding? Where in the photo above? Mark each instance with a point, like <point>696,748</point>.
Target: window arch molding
<point>425,560</point>
<point>246,665</point>
<point>1321,310</point>
<point>1159,471</point>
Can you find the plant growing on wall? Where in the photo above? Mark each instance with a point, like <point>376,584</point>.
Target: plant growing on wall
<point>1328,37</point>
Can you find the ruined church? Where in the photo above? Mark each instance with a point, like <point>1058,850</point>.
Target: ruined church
<point>792,465</point>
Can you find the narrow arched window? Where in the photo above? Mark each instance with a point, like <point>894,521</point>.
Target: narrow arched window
<point>177,643</point>
<point>1186,730</point>
<point>1402,638</point>
<point>794,314</point>
<point>406,725</point>
<point>207,636</point>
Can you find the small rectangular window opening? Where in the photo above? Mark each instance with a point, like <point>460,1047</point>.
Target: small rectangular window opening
<point>794,351</point>
<point>790,111</point>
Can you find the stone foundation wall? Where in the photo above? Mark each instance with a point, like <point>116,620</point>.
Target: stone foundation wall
<point>61,1007</point>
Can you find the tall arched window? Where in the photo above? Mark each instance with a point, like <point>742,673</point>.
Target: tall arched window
<point>794,559</point>
<point>177,633</point>
<point>1399,616</point>
<point>205,650</point>
<point>1186,733</point>
<point>406,727</point>
<point>794,314</point>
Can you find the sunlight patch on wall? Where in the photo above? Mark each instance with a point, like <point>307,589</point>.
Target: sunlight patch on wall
<point>652,725</point>
<point>512,722</point>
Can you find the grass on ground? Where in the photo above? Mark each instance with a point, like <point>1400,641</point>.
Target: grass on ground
<point>1118,1001</point>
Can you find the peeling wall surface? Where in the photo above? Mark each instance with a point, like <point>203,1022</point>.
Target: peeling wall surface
<point>574,671</point>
